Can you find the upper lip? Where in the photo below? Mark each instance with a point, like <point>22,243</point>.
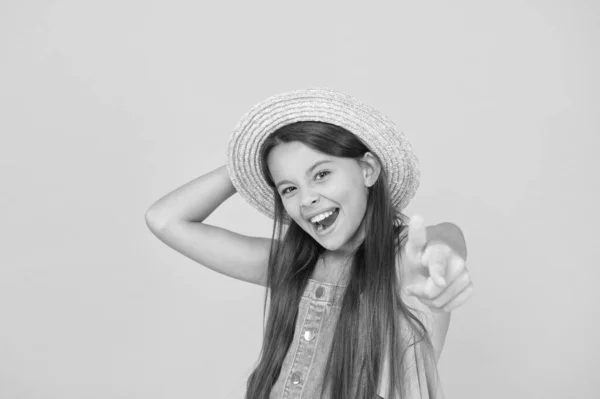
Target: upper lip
<point>308,217</point>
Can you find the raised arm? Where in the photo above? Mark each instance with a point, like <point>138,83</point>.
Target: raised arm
<point>428,300</point>
<point>177,220</point>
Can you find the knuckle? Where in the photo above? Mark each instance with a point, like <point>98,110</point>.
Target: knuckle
<point>429,295</point>
<point>464,279</point>
<point>432,249</point>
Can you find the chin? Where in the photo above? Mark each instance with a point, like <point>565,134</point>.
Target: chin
<point>329,244</point>
<point>329,247</point>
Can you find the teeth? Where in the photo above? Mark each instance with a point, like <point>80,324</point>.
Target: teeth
<point>320,217</point>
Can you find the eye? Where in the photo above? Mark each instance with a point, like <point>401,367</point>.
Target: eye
<point>323,173</point>
<point>285,190</point>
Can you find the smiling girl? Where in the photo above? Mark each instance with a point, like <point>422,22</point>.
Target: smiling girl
<point>359,295</point>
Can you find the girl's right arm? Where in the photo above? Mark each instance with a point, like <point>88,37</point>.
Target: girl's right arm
<point>177,220</point>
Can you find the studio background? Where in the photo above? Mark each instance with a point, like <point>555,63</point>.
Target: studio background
<point>107,106</point>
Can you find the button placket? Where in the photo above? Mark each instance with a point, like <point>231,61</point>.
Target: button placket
<point>306,349</point>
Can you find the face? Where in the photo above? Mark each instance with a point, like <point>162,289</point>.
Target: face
<point>311,183</point>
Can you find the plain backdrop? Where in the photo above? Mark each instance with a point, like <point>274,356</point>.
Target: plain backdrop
<point>107,106</point>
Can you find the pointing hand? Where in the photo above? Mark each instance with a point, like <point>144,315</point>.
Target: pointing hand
<point>437,275</point>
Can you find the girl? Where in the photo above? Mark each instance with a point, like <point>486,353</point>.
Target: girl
<point>359,298</point>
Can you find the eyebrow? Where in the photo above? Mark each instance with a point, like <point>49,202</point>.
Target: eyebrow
<point>307,172</point>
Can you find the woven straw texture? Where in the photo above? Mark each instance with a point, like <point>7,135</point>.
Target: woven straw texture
<point>322,104</point>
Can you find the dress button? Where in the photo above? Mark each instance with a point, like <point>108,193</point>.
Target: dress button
<point>320,291</point>
<point>296,378</point>
<point>309,335</point>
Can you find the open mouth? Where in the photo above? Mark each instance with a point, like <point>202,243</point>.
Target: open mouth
<point>325,224</point>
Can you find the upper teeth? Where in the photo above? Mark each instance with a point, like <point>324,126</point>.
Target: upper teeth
<point>320,217</point>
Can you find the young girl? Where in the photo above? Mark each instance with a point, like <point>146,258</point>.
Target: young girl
<point>359,299</point>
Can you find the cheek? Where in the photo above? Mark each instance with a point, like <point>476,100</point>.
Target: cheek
<point>291,209</point>
<point>356,209</point>
<point>354,197</point>
<point>354,204</point>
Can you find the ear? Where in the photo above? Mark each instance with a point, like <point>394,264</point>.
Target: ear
<point>371,168</point>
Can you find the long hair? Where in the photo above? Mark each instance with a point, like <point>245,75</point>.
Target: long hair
<point>353,365</point>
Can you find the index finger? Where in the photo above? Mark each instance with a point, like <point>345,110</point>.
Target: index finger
<point>417,237</point>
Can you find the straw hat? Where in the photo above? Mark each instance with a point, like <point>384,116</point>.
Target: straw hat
<point>325,105</point>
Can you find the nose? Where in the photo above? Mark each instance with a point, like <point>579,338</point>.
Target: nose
<point>308,198</point>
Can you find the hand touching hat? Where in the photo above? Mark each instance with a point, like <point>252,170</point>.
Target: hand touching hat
<point>437,275</point>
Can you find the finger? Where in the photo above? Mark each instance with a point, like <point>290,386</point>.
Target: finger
<point>417,238</point>
<point>459,299</point>
<point>456,287</point>
<point>437,271</point>
<point>456,266</point>
<point>434,251</point>
<point>425,291</point>
<point>436,258</point>
<point>449,269</point>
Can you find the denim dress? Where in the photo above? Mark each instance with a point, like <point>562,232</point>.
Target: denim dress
<point>303,369</point>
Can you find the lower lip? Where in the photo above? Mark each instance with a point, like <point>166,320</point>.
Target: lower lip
<point>326,231</point>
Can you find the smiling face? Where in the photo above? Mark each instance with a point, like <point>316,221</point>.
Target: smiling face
<point>311,183</point>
